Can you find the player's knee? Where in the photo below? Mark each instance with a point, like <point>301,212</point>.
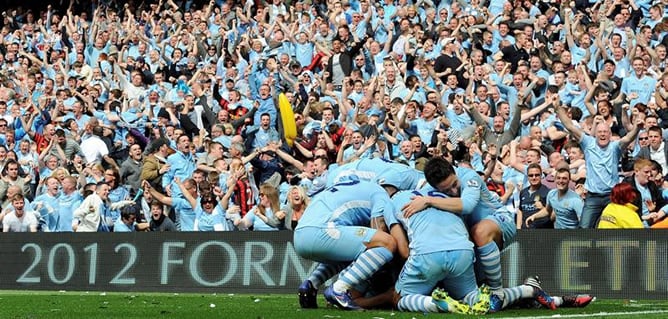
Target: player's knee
<point>388,242</point>
<point>482,233</point>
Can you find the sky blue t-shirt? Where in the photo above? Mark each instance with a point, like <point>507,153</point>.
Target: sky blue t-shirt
<point>430,230</point>
<point>567,208</point>
<point>349,203</point>
<point>644,87</point>
<point>601,163</point>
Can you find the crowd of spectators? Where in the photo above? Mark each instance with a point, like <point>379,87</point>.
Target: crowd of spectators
<point>163,115</point>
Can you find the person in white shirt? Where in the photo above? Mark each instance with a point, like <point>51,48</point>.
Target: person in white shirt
<point>93,148</point>
<point>17,219</point>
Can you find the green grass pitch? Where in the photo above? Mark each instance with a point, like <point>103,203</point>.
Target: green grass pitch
<point>32,304</point>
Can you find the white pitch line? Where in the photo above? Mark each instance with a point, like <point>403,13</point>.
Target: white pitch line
<point>599,314</point>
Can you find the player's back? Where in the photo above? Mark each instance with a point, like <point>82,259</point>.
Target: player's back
<point>369,169</point>
<point>341,172</point>
<point>350,202</point>
<point>410,177</point>
<point>431,229</point>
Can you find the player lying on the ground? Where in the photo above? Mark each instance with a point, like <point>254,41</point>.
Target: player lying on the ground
<point>369,169</point>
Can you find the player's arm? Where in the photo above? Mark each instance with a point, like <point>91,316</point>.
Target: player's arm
<point>514,162</point>
<point>378,223</point>
<point>510,188</point>
<point>399,235</point>
<point>419,203</point>
<point>464,204</point>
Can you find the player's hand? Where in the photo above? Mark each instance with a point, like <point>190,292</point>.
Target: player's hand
<point>510,187</point>
<point>417,204</point>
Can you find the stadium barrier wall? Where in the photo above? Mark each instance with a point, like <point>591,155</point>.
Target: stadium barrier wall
<point>631,264</point>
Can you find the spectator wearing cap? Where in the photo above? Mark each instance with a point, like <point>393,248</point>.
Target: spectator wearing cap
<point>223,93</point>
<point>611,82</point>
<point>619,55</point>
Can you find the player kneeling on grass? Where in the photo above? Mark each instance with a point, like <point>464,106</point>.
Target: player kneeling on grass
<point>334,231</point>
<point>488,221</point>
<point>438,250</point>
